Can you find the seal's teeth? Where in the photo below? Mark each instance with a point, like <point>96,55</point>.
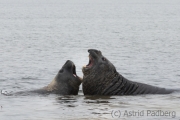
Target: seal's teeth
<point>74,75</point>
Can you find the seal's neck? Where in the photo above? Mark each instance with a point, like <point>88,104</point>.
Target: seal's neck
<point>119,85</point>
<point>95,84</point>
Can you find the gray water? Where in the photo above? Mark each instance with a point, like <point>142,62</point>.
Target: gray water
<point>140,37</point>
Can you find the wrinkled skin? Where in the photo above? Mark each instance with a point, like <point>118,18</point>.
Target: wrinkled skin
<point>101,78</point>
<point>66,82</point>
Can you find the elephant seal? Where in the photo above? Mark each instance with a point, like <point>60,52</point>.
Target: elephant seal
<point>66,82</point>
<point>101,78</point>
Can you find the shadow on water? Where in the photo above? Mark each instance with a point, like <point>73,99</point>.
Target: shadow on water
<point>91,105</point>
<point>97,99</point>
<point>66,99</point>
<point>87,99</point>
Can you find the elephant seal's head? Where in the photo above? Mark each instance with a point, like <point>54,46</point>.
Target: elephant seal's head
<point>97,74</point>
<point>66,81</point>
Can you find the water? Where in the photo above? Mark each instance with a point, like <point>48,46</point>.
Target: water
<point>141,38</point>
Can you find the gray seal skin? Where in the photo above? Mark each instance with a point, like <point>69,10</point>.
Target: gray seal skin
<point>66,82</point>
<point>101,78</point>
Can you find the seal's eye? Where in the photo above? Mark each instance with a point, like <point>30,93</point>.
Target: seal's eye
<point>104,59</point>
<point>61,71</point>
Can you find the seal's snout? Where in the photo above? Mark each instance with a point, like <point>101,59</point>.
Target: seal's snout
<point>94,53</point>
<point>70,66</point>
<point>93,50</point>
<point>68,61</point>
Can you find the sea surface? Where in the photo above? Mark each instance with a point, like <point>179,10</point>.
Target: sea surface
<point>140,37</point>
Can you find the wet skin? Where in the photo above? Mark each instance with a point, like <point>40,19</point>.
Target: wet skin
<point>101,78</point>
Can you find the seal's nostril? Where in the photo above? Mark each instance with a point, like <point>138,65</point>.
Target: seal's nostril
<point>94,50</point>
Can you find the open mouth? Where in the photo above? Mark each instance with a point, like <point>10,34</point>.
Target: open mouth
<point>90,62</point>
<point>74,71</point>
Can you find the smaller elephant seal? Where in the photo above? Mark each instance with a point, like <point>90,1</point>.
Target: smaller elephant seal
<point>101,78</point>
<point>66,82</point>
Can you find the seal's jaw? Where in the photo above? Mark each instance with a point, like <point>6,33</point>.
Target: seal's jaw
<point>91,61</point>
<point>78,80</point>
<point>94,59</point>
<point>74,70</point>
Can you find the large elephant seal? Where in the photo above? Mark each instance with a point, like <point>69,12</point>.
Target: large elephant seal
<point>101,78</point>
<point>66,82</point>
